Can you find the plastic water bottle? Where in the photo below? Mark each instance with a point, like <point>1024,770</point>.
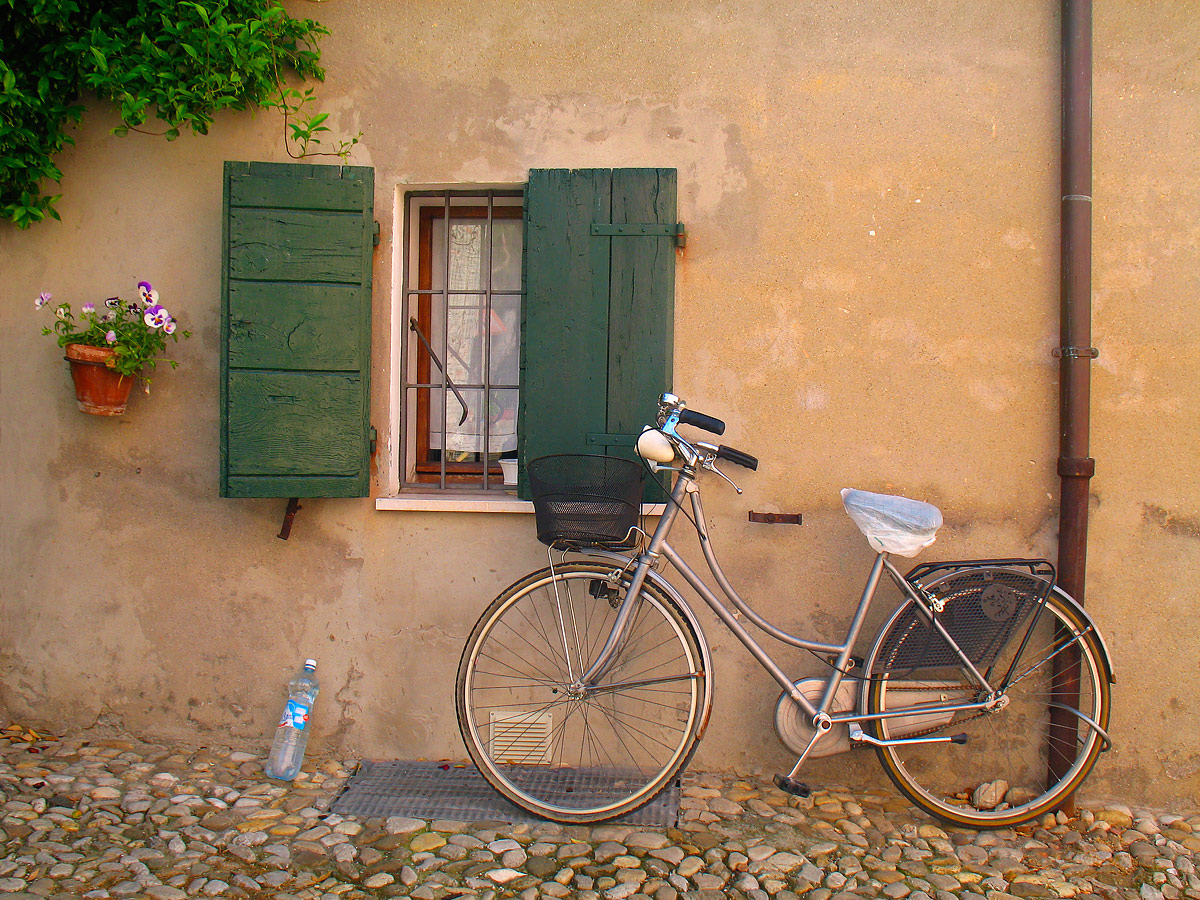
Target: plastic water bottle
<point>291,737</point>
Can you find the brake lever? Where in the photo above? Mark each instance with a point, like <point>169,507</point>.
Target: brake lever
<point>710,461</point>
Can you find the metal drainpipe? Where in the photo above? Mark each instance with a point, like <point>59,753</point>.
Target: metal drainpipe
<point>1075,466</point>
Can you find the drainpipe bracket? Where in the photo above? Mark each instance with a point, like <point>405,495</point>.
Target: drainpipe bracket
<point>1074,467</point>
<point>1075,352</point>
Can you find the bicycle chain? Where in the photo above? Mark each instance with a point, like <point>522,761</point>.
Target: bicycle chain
<point>937,728</point>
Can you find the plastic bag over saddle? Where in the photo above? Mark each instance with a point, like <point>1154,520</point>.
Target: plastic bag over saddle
<point>893,524</point>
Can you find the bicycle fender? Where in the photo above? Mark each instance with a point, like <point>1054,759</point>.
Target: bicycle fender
<point>1083,614</point>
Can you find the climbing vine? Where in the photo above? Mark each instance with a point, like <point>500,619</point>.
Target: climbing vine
<point>176,61</point>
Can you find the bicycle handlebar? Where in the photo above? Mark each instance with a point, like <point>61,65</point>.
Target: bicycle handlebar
<point>700,420</point>
<point>737,457</point>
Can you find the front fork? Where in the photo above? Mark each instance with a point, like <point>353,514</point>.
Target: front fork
<point>625,612</point>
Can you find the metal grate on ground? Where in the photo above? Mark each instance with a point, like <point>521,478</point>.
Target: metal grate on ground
<point>431,790</point>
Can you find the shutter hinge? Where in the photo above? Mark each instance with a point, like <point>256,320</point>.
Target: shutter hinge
<point>375,235</point>
<point>674,230</point>
<point>604,439</point>
<point>374,437</point>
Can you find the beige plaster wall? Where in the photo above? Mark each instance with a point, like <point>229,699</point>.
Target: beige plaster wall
<point>868,296</point>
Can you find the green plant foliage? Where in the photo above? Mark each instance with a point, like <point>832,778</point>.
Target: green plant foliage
<point>178,61</point>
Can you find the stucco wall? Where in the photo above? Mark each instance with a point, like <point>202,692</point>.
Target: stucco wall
<point>868,296</point>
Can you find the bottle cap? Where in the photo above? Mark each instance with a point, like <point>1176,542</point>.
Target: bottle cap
<point>310,664</point>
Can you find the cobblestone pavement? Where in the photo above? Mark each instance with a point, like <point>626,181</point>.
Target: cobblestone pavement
<point>101,817</point>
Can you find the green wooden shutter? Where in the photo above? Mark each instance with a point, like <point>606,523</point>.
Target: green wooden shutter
<point>296,330</point>
<point>599,308</point>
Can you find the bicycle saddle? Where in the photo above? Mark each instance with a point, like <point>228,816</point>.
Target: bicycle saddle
<point>893,524</point>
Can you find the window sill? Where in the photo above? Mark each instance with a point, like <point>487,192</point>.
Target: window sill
<point>472,502</point>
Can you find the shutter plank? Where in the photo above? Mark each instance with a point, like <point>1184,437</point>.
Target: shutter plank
<point>565,323</point>
<point>641,300</point>
<point>294,326</point>
<point>287,423</point>
<point>295,245</point>
<point>346,195</point>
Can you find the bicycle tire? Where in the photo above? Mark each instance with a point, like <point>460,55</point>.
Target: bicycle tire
<point>572,757</point>
<point>959,784</point>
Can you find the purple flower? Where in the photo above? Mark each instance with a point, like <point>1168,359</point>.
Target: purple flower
<point>62,311</point>
<point>170,326</point>
<point>113,302</point>
<point>108,316</point>
<point>111,337</point>
<point>144,289</point>
<point>156,317</point>
<point>42,299</point>
<point>88,307</point>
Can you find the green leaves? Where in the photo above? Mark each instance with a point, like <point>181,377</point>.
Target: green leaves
<point>180,60</point>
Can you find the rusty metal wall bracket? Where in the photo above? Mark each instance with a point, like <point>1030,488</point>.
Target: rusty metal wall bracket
<point>1074,467</point>
<point>765,518</point>
<point>1075,352</point>
<point>288,517</point>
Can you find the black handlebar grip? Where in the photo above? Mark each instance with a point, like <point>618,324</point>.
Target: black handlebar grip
<point>700,420</point>
<point>737,457</point>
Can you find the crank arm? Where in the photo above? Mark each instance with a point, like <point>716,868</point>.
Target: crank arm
<point>857,734</point>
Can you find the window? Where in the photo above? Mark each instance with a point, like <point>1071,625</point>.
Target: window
<point>535,321</point>
<point>462,318</point>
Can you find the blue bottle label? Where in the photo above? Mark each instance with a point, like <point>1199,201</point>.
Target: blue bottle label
<point>295,714</point>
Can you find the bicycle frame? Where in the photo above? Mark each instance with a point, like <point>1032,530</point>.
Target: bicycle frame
<point>660,548</point>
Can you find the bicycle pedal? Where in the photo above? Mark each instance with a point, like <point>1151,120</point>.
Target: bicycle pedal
<point>792,786</point>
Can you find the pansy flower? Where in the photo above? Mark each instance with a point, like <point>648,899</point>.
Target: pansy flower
<point>62,312</point>
<point>156,316</point>
<point>144,290</point>
<point>111,337</point>
<point>113,302</point>
<point>42,300</point>
<point>88,307</point>
<point>169,326</point>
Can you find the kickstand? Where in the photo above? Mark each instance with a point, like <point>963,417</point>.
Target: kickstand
<point>286,530</point>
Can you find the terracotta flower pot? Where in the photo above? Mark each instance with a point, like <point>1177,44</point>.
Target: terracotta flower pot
<point>99,390</point>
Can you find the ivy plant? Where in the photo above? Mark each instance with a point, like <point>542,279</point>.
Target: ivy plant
<point>178,61</point>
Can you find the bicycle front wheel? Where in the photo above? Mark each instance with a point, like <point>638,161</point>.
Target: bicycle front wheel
<point>999,777</point>
<point>574,754</point>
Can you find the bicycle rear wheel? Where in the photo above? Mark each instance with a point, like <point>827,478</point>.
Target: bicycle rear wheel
<point>999,777</point>
<point>575,755</point>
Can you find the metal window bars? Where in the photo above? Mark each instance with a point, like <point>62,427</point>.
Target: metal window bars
<point>436,346</point>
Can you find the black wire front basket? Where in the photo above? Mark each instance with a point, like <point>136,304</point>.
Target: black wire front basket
<point>588,500</point>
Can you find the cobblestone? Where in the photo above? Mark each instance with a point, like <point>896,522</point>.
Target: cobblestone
<point>102,817</point>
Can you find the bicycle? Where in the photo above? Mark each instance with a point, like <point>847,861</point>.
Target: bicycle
<point>585,687</point>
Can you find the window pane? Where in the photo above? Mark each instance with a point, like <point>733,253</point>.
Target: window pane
<point>506,254</point>
<point>505,335</point>
<point>467,437</point>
